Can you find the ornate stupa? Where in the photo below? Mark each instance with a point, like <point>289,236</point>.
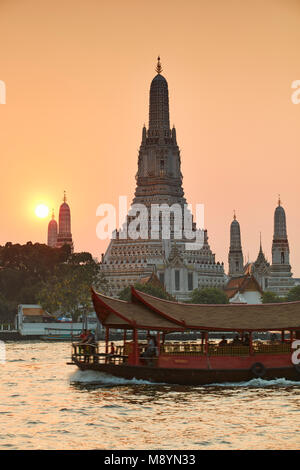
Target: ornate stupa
<point>159,181</point>
<point>235,257</point>
<point>260,268</point>
<point>64,236</point>
<point>280,281</point>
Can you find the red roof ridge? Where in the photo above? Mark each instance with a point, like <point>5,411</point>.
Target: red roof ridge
<point>153,297</point>
<point>109,307</point>
<point>108,296</point>
<point>137,295</point>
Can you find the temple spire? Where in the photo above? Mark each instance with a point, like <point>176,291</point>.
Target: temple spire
<point>280,232</point>
<point>158,67</point>
<point>235,256</point>
<point>64,236</point>
<point>159,120</point>
<point>52,232</point>
<point>260,246</point>
<point>159,175</point>
<point>280,280</point>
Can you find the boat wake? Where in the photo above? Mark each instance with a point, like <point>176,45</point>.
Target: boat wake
<point>258,383</point>
<point>88,377</point>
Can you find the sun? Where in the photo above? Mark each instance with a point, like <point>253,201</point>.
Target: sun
<point>41,211</point>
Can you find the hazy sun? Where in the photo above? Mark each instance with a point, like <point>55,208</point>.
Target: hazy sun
<point>41,211</point>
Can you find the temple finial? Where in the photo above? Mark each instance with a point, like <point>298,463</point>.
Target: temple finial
<point>52,214</point>
<point>279,200</point>
<point>158,67</point>
<point>234,216</point>
<point>260,247</point>
<point>65,196</point>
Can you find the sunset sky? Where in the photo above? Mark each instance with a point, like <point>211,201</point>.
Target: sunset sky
<point>77,74</point>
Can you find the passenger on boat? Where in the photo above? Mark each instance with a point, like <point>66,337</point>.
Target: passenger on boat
<point>273,338</point>
<point>112,352</point>
<point>223,342</point>
<point>246,341</point>
<point>90,342</point>
<point>236,341</point>
<point>151,349</point>
<point>90,338</point>
<point>83,336</point>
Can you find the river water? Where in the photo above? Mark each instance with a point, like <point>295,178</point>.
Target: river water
<point>46,404</point>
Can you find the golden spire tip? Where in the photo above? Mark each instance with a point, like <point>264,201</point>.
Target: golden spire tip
<point>158,67</point>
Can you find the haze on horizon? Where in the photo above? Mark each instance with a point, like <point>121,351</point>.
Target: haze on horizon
<point>77,77</point>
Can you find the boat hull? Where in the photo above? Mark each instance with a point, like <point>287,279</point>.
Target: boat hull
<point>190,376</point>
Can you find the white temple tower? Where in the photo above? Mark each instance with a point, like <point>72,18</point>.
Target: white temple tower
<point>280,281</point>
<point>235,256</point>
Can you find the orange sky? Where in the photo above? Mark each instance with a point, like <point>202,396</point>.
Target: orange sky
<point>78,75</point>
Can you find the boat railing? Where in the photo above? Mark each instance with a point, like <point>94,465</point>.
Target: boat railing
<point>228,350</point>
<point>214,349</point>
<point>271,348</point>
<point>182,348</point>
<point>199,349</point>
<point>90,353</point>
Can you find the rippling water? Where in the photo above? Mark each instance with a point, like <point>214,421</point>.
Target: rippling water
<point>46,404</point>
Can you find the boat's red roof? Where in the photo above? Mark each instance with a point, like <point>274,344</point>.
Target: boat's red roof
<point>148,312</point>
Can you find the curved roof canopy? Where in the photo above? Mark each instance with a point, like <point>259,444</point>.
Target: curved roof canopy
<point>148,312</point>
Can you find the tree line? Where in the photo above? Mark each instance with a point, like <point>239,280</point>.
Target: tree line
<point>207,295</point>
<point>52,277</point>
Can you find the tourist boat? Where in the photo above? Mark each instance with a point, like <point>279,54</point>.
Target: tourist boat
<point>59,334</point>
<point>194,363</point>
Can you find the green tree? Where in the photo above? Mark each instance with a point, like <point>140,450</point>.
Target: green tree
<point>101,284</point>
<point>209,295</point>
<point>37,273</point>
<point>8,310</point>
<point>69,289</point>
<point>270,298</point>
<point>293,294</point>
